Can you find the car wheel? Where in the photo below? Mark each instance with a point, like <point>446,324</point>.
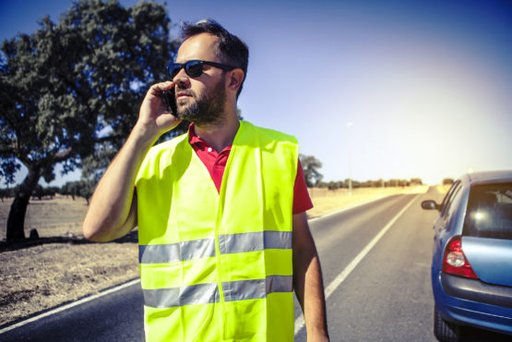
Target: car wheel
<point>445,331</point>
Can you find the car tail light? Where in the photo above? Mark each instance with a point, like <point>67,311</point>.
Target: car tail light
<point>455,262</point>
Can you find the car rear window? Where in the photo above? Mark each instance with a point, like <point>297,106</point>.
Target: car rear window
<point>489,211</point>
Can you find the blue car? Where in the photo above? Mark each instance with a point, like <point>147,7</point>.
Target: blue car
<point>472,258</point>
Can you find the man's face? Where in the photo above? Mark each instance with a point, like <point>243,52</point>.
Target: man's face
<point>201,99</point>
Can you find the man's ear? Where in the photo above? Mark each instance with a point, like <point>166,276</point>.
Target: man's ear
<point>235,79</point>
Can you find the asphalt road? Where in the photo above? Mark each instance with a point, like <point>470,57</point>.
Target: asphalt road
<point>384,297</point>
<point>387,297</point>
<point>116,317</point>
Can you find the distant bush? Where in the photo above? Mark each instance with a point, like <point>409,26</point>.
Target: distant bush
<point>448,181</point>
<point>81,188</point>
<point>379,183</point>
<point>48,192</point>
<point>6,193</point>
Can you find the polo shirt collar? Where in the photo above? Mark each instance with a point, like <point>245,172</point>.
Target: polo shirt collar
<point>193,138</point>
<point>198,143</point>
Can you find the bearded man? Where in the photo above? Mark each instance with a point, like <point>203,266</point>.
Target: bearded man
<point>224,239</point>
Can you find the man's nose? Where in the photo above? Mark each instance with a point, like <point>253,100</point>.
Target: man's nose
<point>182,79</point>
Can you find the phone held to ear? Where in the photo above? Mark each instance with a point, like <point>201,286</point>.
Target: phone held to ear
<point>170,101</point>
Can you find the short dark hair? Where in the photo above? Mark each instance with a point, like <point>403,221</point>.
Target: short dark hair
<point>231,49</point>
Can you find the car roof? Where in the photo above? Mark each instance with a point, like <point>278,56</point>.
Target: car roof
<point>489,177</point>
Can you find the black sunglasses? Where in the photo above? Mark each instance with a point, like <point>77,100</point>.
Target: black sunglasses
<point>194,68</point>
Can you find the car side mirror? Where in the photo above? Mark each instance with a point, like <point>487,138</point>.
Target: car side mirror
<point>430,205</point>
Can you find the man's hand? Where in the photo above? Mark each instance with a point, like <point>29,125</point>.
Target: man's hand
<point>112,211</point>
<point>154,116</point>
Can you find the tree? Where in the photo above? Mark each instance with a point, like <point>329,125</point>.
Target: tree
<point>48,192</point>
<point>81,188</point>
<point>71,90</point>
<point>310,166</point>
<point>448,181</point>
<point>416,181</point>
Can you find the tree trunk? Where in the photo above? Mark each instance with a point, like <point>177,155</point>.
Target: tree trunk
<point>16,220</point>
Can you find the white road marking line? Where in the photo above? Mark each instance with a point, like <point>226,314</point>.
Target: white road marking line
<point>299,322</point>
<point>70,305</point>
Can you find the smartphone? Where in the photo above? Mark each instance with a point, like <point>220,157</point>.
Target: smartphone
<point>170,100</point>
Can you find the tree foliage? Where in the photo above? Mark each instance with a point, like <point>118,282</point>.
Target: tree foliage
<point>310,166</point>
<point>81,188</point>
<point>448,181</point>
<point>378,183</point>
<point>70,91</point>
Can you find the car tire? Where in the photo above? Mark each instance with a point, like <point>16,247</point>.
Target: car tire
<point>445,331</point>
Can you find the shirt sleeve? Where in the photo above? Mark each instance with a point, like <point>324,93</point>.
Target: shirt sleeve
<point>301,199</point>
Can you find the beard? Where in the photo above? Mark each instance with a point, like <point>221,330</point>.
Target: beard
<point>206,109</point>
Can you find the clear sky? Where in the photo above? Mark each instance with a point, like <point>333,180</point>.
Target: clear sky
<point>373,89</point>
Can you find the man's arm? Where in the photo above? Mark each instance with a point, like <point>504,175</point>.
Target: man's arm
<point>307,279</point>
<point>112,212</point>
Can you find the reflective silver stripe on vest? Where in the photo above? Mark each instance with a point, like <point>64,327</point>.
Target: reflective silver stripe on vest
<point>208,293</point>
<point>173,252</point>
<point>257,241</point>
<point>179,296</point>
<point>257,288</point>
<point>204,248</point>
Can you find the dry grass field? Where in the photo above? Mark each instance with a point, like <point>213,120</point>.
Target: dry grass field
<point>61,266</point>
<point>60,216</point>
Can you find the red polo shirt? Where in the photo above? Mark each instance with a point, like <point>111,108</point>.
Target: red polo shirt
<point>215,162</point>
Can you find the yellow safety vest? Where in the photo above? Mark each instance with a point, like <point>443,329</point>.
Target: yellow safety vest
<point>218,267</point>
